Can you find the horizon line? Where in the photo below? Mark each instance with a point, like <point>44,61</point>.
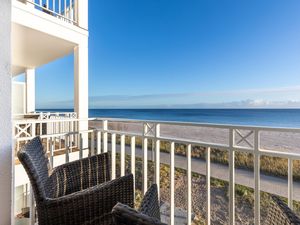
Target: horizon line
<point>236,108</point>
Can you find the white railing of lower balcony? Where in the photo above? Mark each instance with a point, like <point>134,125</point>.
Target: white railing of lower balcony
<point>65,10</point>
<point>175,146</point>
<point>54,115</point>
<point>45,115</point>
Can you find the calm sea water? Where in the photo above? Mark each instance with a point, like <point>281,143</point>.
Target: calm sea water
<point>259,117</point>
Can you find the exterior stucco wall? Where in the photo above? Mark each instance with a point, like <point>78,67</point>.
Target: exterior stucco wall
<point>6,168</point>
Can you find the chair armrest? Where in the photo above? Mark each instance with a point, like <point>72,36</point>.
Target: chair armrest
<point>280,213</point>
<point>148,213</point>
<point>84,206</point>
<point>80,174</point>
<point>150,203</point>
<point>125,215</point>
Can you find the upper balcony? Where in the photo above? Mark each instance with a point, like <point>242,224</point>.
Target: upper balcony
<point>43,31</point>
<point>62,9</point>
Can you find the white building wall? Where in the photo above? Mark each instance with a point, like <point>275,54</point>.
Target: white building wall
<point>6,162</point>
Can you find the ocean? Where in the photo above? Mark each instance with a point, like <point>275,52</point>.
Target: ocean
<point>255,117</point>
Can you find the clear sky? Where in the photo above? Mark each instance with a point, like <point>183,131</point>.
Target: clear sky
<point>175,53</point>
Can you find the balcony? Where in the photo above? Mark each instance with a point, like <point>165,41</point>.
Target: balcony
<point>208,173</point>
<point>44,31</point>
<point>62,9</point>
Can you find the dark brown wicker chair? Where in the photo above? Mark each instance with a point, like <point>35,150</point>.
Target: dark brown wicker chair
<point>147,214</point>
<point>76,192</point>
<point>280,214</point>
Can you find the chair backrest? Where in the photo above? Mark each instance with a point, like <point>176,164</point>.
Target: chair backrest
<point>280,214</point>
<point>36,164</point>
<point>148,213</point>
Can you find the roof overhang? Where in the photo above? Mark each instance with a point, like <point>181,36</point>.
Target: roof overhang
<point>32,48</point>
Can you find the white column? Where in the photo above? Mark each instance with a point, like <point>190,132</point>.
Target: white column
<point>82,13</point>
<point>81,89</point>
<point>6,146</point>
<point>30,90</point>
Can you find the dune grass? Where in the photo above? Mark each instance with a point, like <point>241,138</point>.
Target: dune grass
<point>242,194</point>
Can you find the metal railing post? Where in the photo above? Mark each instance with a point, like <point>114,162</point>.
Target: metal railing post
<point>80,146</point>
<point>113,156</point>
<point>189,184</point>
<point>98,142</point>
<point>75,10</point>
<point>256,178</point>
<point>145,158</point>
<point>105,128</point>
<point>132,143</point>
<point>231,178</point>
<point>172,183</point>
<point>122,155</point>
<point>32,207</point>
<point>290,183</point>
<point>67,148</point>
<point>52,143</point>
<point>33,130</point>
<point>92,151</point>
<point>208,186</point>
<point>157,157</point>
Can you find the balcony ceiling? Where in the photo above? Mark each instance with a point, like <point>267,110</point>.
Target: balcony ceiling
<point>32,48</point>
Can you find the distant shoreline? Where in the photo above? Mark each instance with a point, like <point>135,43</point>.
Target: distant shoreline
<point>71,110</point>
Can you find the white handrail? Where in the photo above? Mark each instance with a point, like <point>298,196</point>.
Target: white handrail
<point>197,124</point>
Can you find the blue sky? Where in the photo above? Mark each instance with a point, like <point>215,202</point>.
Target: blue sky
<point>201,53</point>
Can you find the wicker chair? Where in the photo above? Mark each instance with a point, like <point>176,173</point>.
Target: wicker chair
<point>148,213</point>
<point>280,214</point>
<point>76,192</point>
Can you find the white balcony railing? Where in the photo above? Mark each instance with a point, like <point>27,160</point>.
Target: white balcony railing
<point>40,123</point>
<point>46,115</point>
<point>136,141</point>
<point>63,9</point>
<point>55,115</point>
